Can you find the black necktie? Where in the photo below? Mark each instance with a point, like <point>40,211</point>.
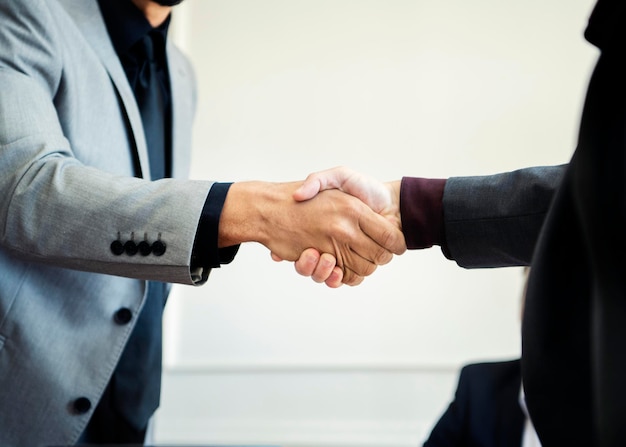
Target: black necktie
<point>149,92</point>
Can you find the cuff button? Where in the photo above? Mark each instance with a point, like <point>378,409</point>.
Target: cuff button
<point>130,248</point>
<point>117,248</point>
<point>144,248</point>
<point>158,248</point>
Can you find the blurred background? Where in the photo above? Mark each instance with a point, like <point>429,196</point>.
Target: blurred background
<point>390,88</point>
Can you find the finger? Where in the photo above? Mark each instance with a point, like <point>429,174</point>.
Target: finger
<point>335,279</point>
<point>352,263</point>
<point>307,262</point>
<point>324,267</point>
<point>386,235</point>
<point>362,254</point>
<point>350,278</point>
<point>308,189</point>
<point>276,258</point>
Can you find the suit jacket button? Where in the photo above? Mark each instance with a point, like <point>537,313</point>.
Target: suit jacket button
<point>82,405</point>
<point>130,248</point>
<point>144,248</point>
<point>123,316</point>
<point>158,248</point>
<point>117,248</point>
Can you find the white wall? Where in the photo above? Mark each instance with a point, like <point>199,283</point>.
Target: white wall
<point>391,88</point>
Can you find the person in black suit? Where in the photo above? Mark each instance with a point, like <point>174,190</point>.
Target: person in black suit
<point>486,410</point>
<point>567,222</point>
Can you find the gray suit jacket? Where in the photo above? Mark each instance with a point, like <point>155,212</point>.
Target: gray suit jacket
<point>72,163</point>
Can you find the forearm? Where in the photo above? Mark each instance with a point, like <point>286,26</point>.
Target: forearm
<point>70,216</point>
<point>243,217</point>
<point>495,220</point>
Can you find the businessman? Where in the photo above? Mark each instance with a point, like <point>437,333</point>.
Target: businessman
<point>96,217</point>
<point>567,222</point>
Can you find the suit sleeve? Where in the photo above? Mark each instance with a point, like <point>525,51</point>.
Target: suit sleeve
<point>483,221</point>
<point>494,221</point>
<point>60,204</point>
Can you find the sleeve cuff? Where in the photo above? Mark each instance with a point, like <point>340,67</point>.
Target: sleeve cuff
<point>421,208</point>
<point>206,254</point>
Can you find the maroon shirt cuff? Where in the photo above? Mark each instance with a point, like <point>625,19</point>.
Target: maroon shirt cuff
<point>421,209</point>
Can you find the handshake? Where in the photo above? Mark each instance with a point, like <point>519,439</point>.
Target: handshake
<point>338,225</point>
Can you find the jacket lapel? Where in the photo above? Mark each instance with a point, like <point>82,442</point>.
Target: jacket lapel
<point>87,17</point>
<point>183,106</point>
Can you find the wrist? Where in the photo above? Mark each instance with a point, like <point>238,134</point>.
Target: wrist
<point>421,208</point>
<point>252,212</point>
<point>239,216</point>
<point>393,212</point>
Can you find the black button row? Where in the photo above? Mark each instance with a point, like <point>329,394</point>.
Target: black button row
<point>122,316</point>
<point>144,248</point>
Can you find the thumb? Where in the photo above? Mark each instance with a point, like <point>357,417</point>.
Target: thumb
<point>309,189</point>
<point>320,181</point>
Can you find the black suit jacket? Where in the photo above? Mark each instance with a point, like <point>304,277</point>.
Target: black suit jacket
<point>485,411</point>
<point>574,237</point>
<point>574,329</point>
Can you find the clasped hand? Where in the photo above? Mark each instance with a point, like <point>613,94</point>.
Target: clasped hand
<point>379,220</point>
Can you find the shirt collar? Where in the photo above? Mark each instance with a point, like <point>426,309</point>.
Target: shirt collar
<point>126,24</point>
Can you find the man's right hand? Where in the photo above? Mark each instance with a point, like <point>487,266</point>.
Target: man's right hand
<point>383,198</point>
<point>355,237</point>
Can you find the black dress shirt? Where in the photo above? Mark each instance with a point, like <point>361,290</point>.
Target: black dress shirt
<point>126,26</point>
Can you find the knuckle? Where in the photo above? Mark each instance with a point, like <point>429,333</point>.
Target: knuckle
<point>368,269</point>
<point>354,280</point>
<point>383,257</point>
